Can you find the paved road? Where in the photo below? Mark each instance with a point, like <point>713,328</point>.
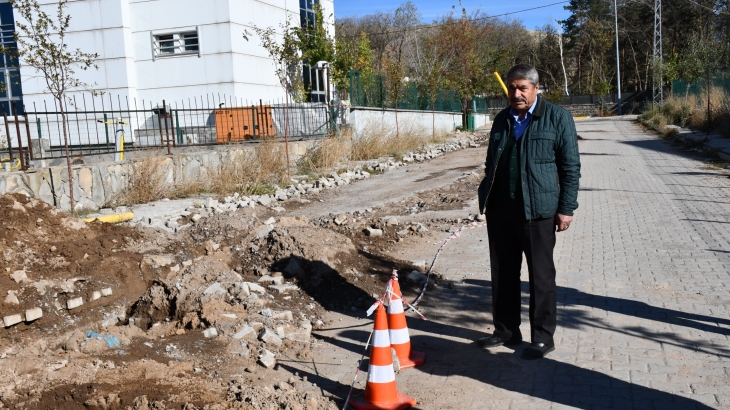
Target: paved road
<point>644,304</point>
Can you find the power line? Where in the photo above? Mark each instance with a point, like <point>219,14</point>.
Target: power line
<point>425,26</point>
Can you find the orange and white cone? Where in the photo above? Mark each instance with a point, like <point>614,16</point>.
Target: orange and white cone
<point>381,392</point>
<point>398,330</point>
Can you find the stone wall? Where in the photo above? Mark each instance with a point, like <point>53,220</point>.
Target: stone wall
<point>97,184</point>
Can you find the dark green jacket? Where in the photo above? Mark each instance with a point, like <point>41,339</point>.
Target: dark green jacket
<point>548,158</point>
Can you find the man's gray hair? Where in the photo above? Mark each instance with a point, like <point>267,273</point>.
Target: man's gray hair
<point>523,72</point>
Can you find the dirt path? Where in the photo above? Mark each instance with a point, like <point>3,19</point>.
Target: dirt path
<point>397,185</point>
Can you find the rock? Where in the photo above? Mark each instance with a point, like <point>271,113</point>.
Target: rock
<point>12,320</point>
<point>157,261</point>
<point>252,287</point>
<point>270,280</point>
<point>267,359</point>
<point>214,288</point>
<point>211,247</point>
<point>481,217</point>
<point>74,303</point>
<point>33,314</point>
<point>373,232</point>
<point>284,288</point>
<point>19,276</point>
<point>278,209</point>
<point>96,295</point>
<point>392,221</point>
<point>269,337</point>
<point>246,332</point>
<point>301,333</point>
<point>270,221</point>
<point>210,332</point>
<point>267,313</point>
<point>421,264</point>
<point>416,277</point>
<point>106,292</point>
<point>12,297</point>
<point>264,200</point>
<point>284,315</point>
<point>211,203</point>
<point>293,269</point>
<point>402,233</point>
<point>195,218</point>
<point>341,220</point>
<point>242,290</point>
<point>112,321</point>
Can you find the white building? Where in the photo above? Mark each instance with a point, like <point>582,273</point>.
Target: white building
<point>176,50</point>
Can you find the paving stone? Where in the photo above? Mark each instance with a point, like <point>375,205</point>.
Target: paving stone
<point>283,289</point>
<point>74,303</point>
<point>269,280</point>
<point>373,232</point>
<point>11,320</point>
<point>270,337</point>
<point>247,332</point>
<point>267,359</point>
<point>33,314</point>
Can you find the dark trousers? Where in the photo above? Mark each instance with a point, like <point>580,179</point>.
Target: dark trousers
<point>510,235</point>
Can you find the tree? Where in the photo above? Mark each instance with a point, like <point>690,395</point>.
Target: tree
<point>430,65</point>
<point>42,45</point>
<point>469,69</point>
<point>287,61</point>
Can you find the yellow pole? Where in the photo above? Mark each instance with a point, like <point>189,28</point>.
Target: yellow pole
<point>113,219</point>
<point>504,87</point>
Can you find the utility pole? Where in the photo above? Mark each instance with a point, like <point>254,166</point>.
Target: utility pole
<point>618,69</point>
<point>658,93</point>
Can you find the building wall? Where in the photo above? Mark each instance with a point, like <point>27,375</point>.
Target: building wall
<point>232,64</point>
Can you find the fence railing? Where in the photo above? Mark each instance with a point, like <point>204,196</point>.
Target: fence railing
<point>94,125</point>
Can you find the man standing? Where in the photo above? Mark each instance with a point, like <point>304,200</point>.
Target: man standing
<point>530,190</point>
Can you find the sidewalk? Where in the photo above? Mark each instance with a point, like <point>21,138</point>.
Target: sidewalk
<point>644,304</point>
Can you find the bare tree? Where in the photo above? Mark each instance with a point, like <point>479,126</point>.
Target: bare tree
<point>42,45</point>
<point>430,63</point>
<point>287,60</point>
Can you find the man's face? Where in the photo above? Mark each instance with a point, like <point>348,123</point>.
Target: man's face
<point>522,94</point>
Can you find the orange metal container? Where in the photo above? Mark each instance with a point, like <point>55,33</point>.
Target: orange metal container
<point>243,123</point>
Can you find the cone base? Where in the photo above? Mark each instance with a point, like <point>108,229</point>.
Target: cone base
<point>415,359</point>
<point>403,402</point>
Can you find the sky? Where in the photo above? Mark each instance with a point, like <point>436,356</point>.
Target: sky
<point>432,9</point>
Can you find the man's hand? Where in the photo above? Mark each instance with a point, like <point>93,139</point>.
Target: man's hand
<point>563,222</point>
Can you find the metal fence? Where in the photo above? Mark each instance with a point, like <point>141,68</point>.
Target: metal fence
<point>630,102</point>
<point>96,123</point>
<point>680,88</point>
<point>371,90</point>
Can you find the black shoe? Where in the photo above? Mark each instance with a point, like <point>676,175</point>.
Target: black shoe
<point>537,350</point>
<point>494,341</point>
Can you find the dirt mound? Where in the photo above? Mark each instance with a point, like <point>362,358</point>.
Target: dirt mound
<point>50,258</point>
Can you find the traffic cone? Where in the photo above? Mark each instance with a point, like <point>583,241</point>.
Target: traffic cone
<point>399,338</point>
<point>381,392</point>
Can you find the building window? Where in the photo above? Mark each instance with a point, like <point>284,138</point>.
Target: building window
<point>315,84</point>
<point>175,44</point>
<point>306,11</point>
<point>10,85</point>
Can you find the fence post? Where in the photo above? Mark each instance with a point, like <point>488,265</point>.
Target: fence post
<point>253,120</point>
<point>10,141</point>
<point>167,129</point>
<point>20,141</point>
<point>106,129</point>
<point>30,142</point>
<point>359,89</point>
